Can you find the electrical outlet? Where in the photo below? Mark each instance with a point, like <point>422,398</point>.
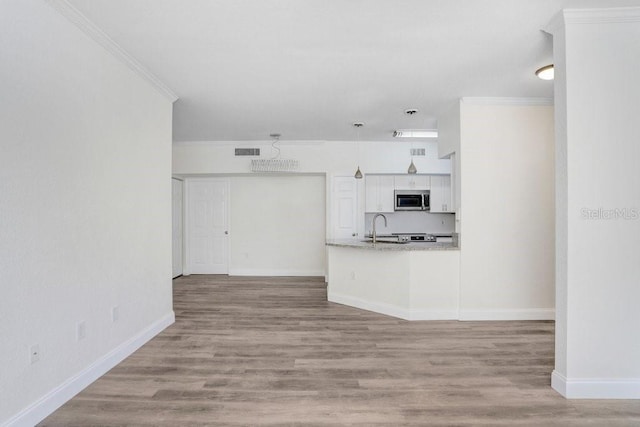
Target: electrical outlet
<point>34,353</point>
<point>115,313</point>
<point>81,330</point>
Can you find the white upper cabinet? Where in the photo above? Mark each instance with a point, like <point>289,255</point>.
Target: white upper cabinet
<point>412,182</point>
<point>379,193</point>
<point>440,195</point>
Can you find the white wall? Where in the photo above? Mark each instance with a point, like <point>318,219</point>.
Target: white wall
<point>597,345</point>
<point>85,209</point>
<point>317,158</point>
<point>507,210</point>
<point>449,130</point>
<point>177,227</point>
<point>449,146</point>
<point>277,225</point>
<point>328,157</point>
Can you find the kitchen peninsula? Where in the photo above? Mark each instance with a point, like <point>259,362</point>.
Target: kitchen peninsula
<point>412,281</point>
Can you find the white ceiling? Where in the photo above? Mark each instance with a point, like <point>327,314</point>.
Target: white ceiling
<point>308,69</point>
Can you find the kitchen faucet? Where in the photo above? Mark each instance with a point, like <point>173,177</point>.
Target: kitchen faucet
<point>373,224</point>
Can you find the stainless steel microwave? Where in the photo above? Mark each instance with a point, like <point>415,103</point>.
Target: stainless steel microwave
<point>411,200</point>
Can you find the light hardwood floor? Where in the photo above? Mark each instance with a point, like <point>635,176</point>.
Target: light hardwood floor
<point>273,351</point>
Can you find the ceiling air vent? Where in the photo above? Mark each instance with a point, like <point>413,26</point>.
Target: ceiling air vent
<point>418,152</point>
<point>247,151</point>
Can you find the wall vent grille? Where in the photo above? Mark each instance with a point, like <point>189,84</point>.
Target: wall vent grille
<point>247,151</point>
<point>418,152</point>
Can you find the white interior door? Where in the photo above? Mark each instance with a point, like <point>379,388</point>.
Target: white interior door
<point>176,232</point>
<point>208,226</point>
<point>344,211</point>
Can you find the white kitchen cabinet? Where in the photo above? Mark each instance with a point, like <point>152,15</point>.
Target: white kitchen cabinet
<point>440,195</point>
<point>411,182</point>
<point>379,193</point>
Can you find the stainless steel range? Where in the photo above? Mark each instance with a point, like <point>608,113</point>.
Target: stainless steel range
<point>415,237</point>
<point>404,238</point>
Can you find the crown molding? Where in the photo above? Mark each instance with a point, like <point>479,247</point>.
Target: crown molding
<point>76,17</point>
<point>610,15</point>
<point>507,101</point>
<point>602,15</point>
<point>252,143</point>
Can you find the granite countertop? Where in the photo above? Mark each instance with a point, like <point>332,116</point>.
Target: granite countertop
<point>381,246</point>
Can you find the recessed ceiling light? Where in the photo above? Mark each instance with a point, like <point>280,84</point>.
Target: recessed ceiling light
<point>545,73</point>
<point>415,133</point>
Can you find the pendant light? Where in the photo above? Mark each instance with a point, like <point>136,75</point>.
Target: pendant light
<point>358,125</point>
<point>412,168</point>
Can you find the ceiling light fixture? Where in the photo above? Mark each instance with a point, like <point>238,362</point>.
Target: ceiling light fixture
<point>275,163</point>
<point>545,73</point>
<point>415,133</point>
<point>358,125</point>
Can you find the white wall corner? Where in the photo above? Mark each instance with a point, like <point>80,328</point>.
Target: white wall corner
<point>95,33</point>
<point>596,388</point>
<point>57,397</point>
<point>449,128</point>
<point>554,24</point>
<point>559,383</point>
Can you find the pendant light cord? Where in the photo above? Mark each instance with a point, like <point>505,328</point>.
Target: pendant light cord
<point>274,147</point>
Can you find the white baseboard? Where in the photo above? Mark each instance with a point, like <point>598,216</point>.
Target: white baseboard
<point>596,388</point>
<point>392,310</point>
<point>433,314</point>
<point>275,272</point>
<point>51,401</point>
<point>509,314</point>
<point>441,314</point>
<point>387,309</point>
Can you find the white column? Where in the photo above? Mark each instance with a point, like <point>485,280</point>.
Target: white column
<point>597,99</point>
